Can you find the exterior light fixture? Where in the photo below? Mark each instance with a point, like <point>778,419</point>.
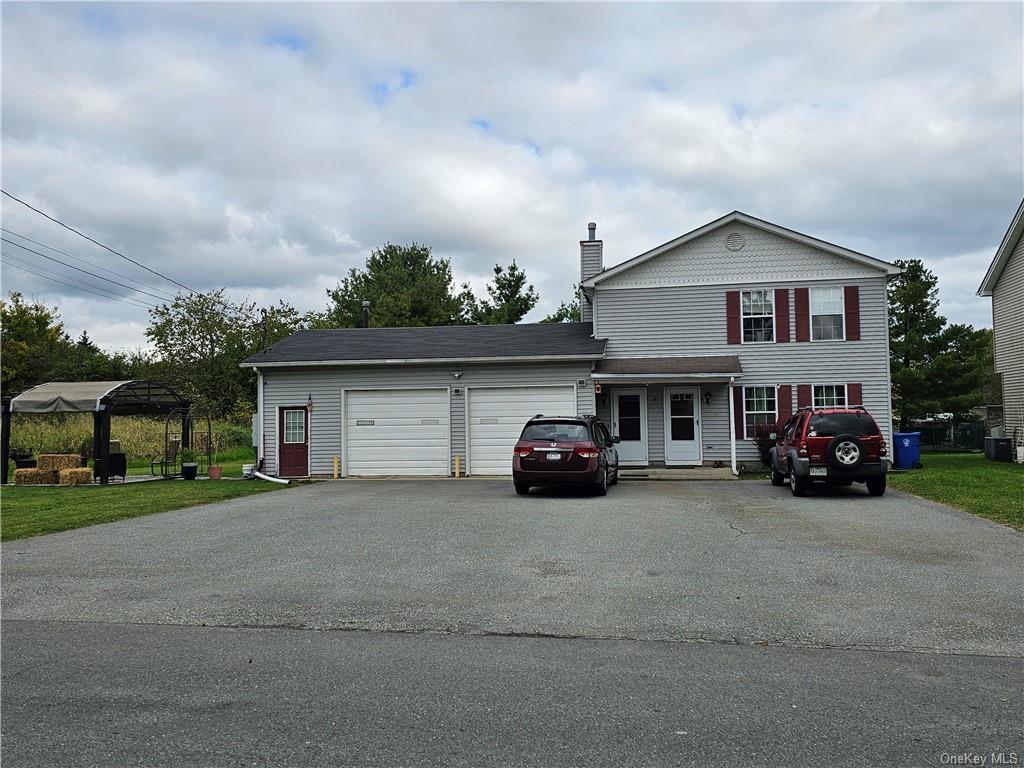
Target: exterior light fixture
<point>309,403</point>
<point>707,398</point>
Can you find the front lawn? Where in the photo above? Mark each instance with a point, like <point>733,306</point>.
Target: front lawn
<point>27,511</point>
<point>992,489</point>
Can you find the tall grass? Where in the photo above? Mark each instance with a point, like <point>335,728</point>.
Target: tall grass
<point>140,436</point>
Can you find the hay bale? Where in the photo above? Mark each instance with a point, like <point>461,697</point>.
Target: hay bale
<point>34,476</point>
<point>78,476</point>
<point>57,461</point>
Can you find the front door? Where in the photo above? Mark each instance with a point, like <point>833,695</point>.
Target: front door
<point>629,422</point>
<point>293,443</point>
<point>682,425</point>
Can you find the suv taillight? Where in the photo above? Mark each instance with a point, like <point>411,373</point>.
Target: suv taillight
<point>802,449</point>
<point>587,452</point>
<point>522,452</point>
<point>883,449</point>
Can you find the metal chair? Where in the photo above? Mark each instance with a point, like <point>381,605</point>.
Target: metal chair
<point>168,461</point>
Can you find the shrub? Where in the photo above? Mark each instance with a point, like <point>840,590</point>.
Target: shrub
<point>764,442</point>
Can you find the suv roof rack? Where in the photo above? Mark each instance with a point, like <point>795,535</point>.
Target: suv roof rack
<point>857,407</point>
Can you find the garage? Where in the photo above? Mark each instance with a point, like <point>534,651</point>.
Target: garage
<point>495,418</point>
<point>396,432</point>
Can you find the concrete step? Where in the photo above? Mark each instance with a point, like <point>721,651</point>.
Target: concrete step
<point>684,473</point>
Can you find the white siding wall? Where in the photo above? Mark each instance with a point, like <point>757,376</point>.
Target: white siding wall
<point>706,260</point>
<point>294,386</point>
<point>1008,338</point>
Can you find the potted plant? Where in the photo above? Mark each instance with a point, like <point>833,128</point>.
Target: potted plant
<point>189,467</point>
<point>215,468</point>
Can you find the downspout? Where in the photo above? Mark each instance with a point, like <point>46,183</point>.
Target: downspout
<point>260,447</point>
<point>732,427</point>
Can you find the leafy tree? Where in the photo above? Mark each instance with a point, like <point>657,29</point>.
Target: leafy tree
<point>567,312</point>
<point>510,298</point>
<point>915,340</point>
<point>201,338</point>
<point>405,285</point>
<point>32,340</point>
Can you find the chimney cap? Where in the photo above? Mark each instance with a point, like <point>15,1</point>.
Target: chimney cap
<point>366,304</point>
<point>592,229</point>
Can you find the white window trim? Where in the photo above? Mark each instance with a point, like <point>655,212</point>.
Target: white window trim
<point>811,315</point>
<point>771,292</point>
<point>743,390</point>
<point>284,424</point>
<point>846,395</point>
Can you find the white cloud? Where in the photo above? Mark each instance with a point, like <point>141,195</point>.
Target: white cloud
<point>267,148</point>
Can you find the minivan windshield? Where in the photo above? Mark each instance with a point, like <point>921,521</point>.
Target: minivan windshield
<point>560,431</point>
<point>832,424</point>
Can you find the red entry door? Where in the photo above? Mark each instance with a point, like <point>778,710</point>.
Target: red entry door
<point>293,443</point>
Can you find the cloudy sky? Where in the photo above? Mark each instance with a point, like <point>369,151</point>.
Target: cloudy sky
<point>267,148</point>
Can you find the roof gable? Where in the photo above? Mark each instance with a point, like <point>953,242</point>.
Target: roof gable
<point>850,260</point>
<point>1003,253</point>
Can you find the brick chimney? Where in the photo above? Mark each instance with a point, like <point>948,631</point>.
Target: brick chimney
<point>591,262</point>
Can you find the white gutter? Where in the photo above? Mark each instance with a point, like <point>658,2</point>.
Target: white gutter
<point>424,361</point>
<point>732,427</point>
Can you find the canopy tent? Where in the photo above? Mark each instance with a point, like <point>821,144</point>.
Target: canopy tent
<point>101,398</point>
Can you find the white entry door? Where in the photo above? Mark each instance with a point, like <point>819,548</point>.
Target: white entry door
<point>629,422</point>
<point>496,417</point>
<point>396,432</point>
<point>682,425</point>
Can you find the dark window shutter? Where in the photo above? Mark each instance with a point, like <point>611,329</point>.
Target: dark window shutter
<point>785,403</point>
<point>737,403</point>
<point>851,299</point>
<point>732,317</point>
<point>803,395</point>
<point>782,314</point>
<point>803,314</point>
<point>854,394</point>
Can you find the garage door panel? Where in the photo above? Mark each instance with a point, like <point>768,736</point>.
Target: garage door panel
<point>497,416</point>
<point>397,432</point>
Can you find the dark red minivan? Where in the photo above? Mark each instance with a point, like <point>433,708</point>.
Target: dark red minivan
<point>565,450</point>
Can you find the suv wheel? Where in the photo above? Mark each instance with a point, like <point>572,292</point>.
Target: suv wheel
<point>876,485</point>
<point>845,452</point>
<point>798,484</point>
<point>601,489</point>
<point>778,479</point>
<point>522,489</point>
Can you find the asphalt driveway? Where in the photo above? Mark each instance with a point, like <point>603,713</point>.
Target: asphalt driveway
<point>723,562</point>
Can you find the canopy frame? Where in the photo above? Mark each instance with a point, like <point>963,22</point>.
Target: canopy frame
<point>103,399</point>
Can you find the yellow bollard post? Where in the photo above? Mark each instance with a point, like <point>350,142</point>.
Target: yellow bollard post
<point>458,467</point>
<point>336,461</point>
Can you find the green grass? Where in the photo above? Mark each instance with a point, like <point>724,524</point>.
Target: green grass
<point>992,489</point>
<point>28,511</point>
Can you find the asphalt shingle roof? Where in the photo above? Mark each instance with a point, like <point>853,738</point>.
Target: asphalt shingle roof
<point>724,364</point>
<point>456,342</point>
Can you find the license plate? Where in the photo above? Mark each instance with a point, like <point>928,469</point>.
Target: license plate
<point>554,457</point>
<point>819,471</point>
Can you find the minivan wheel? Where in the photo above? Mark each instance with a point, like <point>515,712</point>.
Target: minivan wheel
<point>601,489</point>
<point>798,485</point>
<point>522,489</point>
<point>876,485</point>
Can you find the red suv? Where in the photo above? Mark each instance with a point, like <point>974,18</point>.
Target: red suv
<point>565,450</point>
<point>838,446</point>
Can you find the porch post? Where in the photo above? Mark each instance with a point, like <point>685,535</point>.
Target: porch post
<point>5,441</point>
<point>732,426</point>
<point>104,455</point>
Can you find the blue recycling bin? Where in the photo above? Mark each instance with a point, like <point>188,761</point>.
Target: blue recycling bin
<point>907,451</point>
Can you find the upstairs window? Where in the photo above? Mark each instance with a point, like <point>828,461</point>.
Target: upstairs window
<point>759,409</point>
<point>829,395</point>
<point>826,314</point>
<point>758,312</point>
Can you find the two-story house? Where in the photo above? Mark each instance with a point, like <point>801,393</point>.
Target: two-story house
<point>683,350</point>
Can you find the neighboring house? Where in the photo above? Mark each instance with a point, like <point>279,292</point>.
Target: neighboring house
<point>684,351</point>
<point>1004,282</point>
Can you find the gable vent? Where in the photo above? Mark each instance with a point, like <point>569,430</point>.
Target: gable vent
<point>734,241</point>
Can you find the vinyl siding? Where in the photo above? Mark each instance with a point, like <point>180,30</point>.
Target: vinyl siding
<point>1008,338</point>
<point>591,262</point>
<point>691,320</point>
<point>294,387</point>
<point>706,260</point>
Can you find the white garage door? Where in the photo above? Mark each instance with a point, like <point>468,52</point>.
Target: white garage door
<point>497,416</point>
<point>396,432</point>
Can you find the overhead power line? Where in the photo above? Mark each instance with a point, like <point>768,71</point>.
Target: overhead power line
<point>7,259</point>
<point>169,296</point>
<point>97,242</point>
<point>84,271</point>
